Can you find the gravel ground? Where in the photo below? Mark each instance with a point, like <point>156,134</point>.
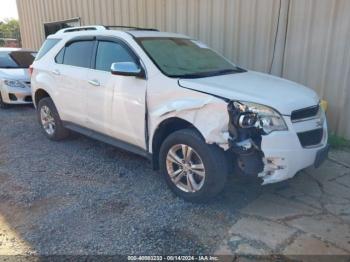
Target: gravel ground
<point>81,196</point>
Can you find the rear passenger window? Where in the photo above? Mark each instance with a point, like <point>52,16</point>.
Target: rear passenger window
<point>111,52</point>
<point>79,54</point>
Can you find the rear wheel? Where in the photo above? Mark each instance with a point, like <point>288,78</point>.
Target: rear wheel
<point>192,169</point>
<point>2,104</point>
<point>50,121</point>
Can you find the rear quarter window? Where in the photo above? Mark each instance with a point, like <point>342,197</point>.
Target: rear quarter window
<point>59,57</point>
<point>46,47</point>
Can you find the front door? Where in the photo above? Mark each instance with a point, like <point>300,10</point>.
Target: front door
<point>116,104</point>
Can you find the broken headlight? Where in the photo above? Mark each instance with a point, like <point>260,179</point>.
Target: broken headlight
<point>268,120</point>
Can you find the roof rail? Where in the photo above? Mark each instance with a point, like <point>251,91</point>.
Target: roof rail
<point>101,27</point>
<point>110,27</point>
<point>81,28</point>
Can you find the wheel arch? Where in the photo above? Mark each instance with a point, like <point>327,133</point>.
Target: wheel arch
<point>40,94</point>
<point>164,129</point>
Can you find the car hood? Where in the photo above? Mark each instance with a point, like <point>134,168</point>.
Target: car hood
<point>21,74</point>
<point>280,94</point>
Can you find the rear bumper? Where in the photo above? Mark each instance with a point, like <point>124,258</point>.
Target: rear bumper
<point>285,156</point>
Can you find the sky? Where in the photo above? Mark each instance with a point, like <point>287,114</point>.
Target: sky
<point>8,9</point>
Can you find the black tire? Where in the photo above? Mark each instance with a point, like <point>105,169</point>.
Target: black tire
<point>60,132</point>
<point>2,104</point>
<point>213,158</point>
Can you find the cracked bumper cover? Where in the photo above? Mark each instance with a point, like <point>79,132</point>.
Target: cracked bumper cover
<point>285,156</point>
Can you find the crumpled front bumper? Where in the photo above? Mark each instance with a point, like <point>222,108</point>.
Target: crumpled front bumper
<point>16,95</point>
<point>284,154</point>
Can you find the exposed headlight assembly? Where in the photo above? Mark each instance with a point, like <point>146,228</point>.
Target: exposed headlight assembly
<point>14,83</point>
<point>260,116</point>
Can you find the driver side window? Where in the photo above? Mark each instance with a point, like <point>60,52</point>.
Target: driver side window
<point>109,53</point>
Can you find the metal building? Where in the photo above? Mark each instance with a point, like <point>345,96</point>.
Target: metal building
<point>307,41</point>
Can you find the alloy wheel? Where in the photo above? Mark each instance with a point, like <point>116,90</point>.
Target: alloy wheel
<point>185,168</point>
<point>47,120</point>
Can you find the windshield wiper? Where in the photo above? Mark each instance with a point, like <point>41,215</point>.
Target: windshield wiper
<point>224,71</point>
<point>195,75</point>
<point>212,73</point>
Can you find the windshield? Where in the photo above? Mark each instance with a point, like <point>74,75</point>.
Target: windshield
<point>186,58</point>
<point>16,59</point>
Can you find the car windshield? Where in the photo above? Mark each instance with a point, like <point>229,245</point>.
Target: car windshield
<point>186,58</point>
<point>16,59</point>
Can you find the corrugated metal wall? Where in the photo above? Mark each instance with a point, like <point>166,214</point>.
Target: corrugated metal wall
<point>303,40</point>
<point>317,54</point>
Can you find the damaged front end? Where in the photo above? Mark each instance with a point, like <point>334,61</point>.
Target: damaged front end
<point>245,139</point>
<point>248,123</point>
<point>239,128</point>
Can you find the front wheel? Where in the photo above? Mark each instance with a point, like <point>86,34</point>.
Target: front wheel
<point>192,169</point>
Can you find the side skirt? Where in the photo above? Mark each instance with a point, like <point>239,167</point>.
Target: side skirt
<point>108,140</point>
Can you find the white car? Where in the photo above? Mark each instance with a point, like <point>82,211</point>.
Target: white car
<point>14,76</point>
<point>197,116</point>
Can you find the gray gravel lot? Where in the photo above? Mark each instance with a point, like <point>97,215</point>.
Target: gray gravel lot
<point>81,196</point>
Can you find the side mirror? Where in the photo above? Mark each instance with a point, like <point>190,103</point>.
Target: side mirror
<point>127,69</point>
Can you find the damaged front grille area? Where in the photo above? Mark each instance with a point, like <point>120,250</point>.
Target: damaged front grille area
<point>305,113</point>
<point>311,138</point>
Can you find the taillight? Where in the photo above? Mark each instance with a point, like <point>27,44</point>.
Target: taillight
<point>30,70</point>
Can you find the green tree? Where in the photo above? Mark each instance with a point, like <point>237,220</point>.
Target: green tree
<point>9,28</point>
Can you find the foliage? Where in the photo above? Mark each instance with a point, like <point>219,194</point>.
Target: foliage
<point>10,29</point>
<point>337,142</point>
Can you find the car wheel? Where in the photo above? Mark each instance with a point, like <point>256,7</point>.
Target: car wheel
<point>193,169</point>
<point>2,104</point>
<point>50,121</point>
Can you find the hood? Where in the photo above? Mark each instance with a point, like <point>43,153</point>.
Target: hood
<point>21,74</point>
<point>281,94</point>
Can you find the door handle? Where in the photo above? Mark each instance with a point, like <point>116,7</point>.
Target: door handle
<point>56,72</point>
<point>94,82</point>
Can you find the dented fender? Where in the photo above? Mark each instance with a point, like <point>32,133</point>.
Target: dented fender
<point>207,114</point>
<point>217,121</point>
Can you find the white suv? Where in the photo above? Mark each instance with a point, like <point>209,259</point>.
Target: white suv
<point>197,116</point>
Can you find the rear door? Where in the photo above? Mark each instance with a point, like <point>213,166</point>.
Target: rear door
<point>71,70</point>
<point>116,104</point>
